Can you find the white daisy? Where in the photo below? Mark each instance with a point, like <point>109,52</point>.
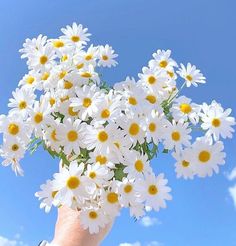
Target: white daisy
<point>106,56</point>
<point>216,121</point>
<point>47,195</point>
<point>22,101</point>
<point>72,136</point>
<point>206,158</point>
<point>154,191</point>
<point>176,135</point>
<point>183,109</point>
<point>93,219</point>
<point>191,74</point>
<point>183,167</point>
<point>75,34</point>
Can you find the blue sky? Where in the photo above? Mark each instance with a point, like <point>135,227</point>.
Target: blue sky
<point>203,32</point>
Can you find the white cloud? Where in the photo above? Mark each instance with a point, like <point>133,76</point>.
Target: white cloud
<point>129,244</point>
<point>155,243</point>
<point>232,192</point>
<point>7,242</point>
<point>232,175</point>
<point>147,221</point>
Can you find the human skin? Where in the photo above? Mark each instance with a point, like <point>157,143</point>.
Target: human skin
<point>69,232</point>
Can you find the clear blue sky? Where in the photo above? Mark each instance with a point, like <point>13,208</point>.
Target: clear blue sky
<point>200,31</point>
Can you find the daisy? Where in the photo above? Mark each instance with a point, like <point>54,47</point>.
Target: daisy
<point>99,174</point>
<point>183,109</point>
<point>192,75</point>
<point>101,158</point>
<point>162,60</point>
<point>72,136</point>
<point>13,125</point>
<point>106,56</point>
<point>154,191</point>
<point>47,195</point>
<point>87,101</point>
<point>183,167</point>
<point>100,138</point>
<point>90,56</point>
<point>154,79</point>
<point>75,35</point>
<point>216,121</point>
<point>71,183</point>
<point>206,157</point>
<point>22,101</point>
<point>39,116</point>
<point>176,135</point>
<point>42,59</point>
<point>33,45</point>
<point>15,165</point>
<point>133,128</point>
<point>137,165</point>
<point>110,199</point>
<point>88,75</point>
<point>128,193</point>
<point>93,219</point>
<point>155,126</point>
<point>30,80</point>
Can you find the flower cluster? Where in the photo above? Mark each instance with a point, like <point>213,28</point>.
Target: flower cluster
<point>105,137</point>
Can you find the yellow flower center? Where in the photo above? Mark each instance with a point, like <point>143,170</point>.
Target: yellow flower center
<point>105,113</point>
<point>15,147</point>
<point>93,215</point>
<point>38,118</point>
<point>204,156</point>
<point>13,129</point>
<point>86,75</point>
<point>80,65</point>
<point>62,74</point>
<point>52,101</point>
<point>22,105</point>
<point>30,80</point>
<point>72,136</point>
<point>216,122</point>
<point>58,44</point>
<point>112,197</point>
<point>175,136</point>
<point>54,193</point>
<point>73,182</point>
<point>87,102</point>
<point>67,84</point>
<point>133,101</point>
<point>92,175</point>
<point>128,188</point>
<point>75,39</point>
<point>71,112</point>
<point>88,57</point>
<point>152,127</point>
<point>151,98</point>
<point>139,166</point>
<point>134,129</point>
<point>101,159</point>
<point>102,136</point>
<point>171,74</point>
<point>189,77</point>
<point>105,57</point>
<point>64,58</point>
<point>152,190</point>
<point>185,108</point>
<point>163,64</point>
<point>45,76</point>
<point>54,135</point>
<point>43,59</point>
<point>151,80</point>
<point>185,163</point>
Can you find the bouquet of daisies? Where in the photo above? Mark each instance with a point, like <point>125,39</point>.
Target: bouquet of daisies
<point>105,137</point>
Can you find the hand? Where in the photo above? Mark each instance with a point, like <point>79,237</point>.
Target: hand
<point>69,232</point>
